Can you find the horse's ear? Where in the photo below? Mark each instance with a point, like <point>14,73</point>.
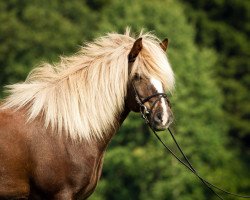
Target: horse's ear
<point>135,50</point>
<point>164,44</point>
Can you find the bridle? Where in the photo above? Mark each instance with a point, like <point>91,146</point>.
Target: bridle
<point>146,112</point>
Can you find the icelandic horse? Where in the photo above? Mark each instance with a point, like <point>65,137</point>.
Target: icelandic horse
<point>57,124</point>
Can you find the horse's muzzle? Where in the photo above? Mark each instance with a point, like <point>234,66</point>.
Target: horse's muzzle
<point>157,122</point>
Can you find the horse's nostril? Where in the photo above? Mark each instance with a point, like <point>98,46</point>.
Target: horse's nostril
<point>158,117</point>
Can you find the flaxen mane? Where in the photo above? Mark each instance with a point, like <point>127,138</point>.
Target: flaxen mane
<point>83,93</point>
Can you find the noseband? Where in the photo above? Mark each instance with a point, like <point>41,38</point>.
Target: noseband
<point>145,112</point>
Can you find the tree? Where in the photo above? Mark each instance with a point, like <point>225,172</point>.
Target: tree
<point>224,25</point>
<point>33,31</point>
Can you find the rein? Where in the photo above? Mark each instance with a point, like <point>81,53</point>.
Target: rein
<point>145,113</point>
<point>189,166</point>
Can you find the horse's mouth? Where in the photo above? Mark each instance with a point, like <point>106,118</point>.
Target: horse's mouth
<point>160,127</point>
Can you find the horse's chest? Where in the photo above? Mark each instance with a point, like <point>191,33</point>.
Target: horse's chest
<point>68,170</point>
<point>90,179</point>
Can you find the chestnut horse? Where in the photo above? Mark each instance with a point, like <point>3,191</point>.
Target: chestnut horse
<point>56,126</point>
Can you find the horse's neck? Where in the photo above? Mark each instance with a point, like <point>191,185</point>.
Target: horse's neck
<point>100,144</point>
<point>108,136</point>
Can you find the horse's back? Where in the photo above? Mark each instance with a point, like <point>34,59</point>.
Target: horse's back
<point>14,179</point>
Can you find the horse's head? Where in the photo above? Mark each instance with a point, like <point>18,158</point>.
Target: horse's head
<point>146,92</point>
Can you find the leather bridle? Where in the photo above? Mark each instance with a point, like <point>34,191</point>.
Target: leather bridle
<point>146,112</point>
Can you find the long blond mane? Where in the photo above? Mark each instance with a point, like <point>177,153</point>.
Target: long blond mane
<point>84,94</point>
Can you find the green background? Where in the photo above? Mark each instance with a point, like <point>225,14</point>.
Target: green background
<point>209,52</point>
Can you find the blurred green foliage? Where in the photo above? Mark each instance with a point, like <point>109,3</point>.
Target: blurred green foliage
<point>136,166</point>
<point>224,26</point>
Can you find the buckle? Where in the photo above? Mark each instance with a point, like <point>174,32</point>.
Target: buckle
<point>144,113</point>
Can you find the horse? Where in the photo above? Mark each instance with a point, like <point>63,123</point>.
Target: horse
<point>56,125</point>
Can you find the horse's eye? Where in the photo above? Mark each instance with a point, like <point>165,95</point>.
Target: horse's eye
<point>137,77</point>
